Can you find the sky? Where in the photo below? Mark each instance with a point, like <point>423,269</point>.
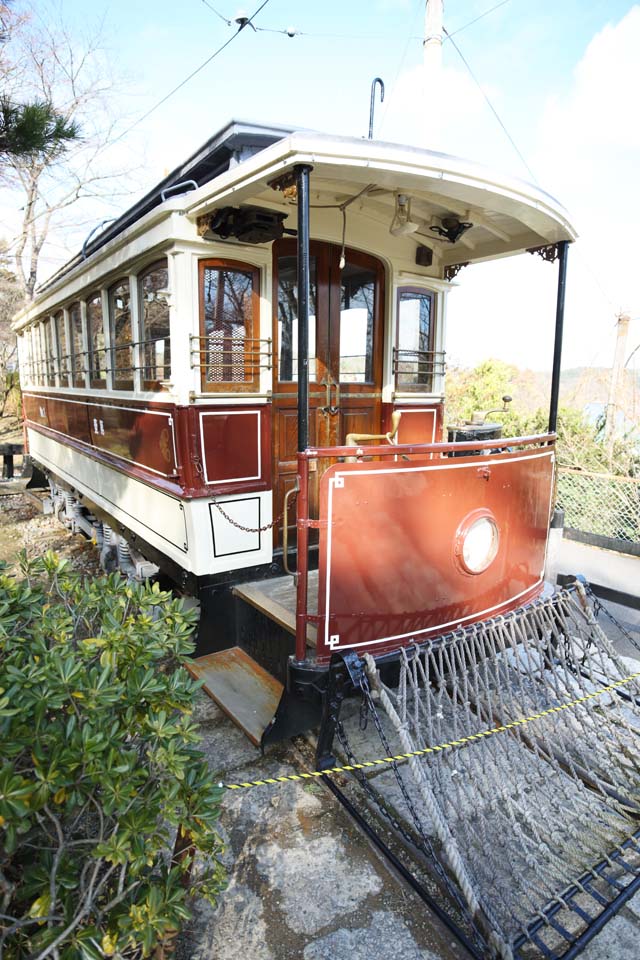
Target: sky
<point>562,76</point>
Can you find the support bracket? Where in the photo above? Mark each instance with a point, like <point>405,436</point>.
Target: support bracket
<point>452,270</point>
<point>550,252</point>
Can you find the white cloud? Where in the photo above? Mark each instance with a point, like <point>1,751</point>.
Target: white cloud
<point>588,155</point>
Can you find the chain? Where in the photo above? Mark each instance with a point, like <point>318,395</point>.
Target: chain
<point>427,844</point>
<point>599,607</point>
<point>240,526</point>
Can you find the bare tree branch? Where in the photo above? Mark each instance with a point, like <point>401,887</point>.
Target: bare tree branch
<point>51,64</point>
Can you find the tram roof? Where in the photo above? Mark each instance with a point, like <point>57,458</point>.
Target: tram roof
<point>238,164</point>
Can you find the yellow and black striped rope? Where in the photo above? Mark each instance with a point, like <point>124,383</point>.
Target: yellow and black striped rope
<point>521,722</point>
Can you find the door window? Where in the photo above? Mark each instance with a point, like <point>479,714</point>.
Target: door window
<point>357,306</point>
<point>287,268</point>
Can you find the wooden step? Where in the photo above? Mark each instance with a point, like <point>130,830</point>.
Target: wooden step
<point>276,599</point>
<point>240,687</point>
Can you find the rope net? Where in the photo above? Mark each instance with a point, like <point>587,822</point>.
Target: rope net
<point>535,825</point>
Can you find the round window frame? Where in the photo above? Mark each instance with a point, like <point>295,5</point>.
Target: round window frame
<point>482,513</point>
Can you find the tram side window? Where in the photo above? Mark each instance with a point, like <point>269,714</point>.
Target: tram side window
<point>41,354</point>
<point>78,357</point>
<point>33,356</point>
<point>414,360</point>
<point>95,341</point>
<point>229,349</point>
<point>153,285</point>
<point>32,342</point>
<point>50,354</point>
<point>63,348</point>
<point>121,335</point>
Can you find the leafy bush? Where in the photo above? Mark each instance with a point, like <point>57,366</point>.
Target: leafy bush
<point>580,443</point>
<point>98,768</point>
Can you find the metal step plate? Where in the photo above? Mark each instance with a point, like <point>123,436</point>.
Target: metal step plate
<point>240,687</point>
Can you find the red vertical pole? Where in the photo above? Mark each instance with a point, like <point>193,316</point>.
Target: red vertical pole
<point>302,545</point>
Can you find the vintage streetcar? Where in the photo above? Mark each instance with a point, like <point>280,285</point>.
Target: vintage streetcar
<point>239,386</point>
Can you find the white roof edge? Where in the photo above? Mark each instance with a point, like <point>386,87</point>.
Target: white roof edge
<point>316,149</point>
<point>309,147</point>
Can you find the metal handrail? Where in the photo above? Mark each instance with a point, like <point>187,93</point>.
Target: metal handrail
<point>285,530</point>
<point>433,360</point>
<point>312,453</point>
<point>248,351</point>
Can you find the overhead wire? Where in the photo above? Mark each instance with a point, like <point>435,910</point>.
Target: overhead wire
<point>491,106</point>
<point>475,20</point>
<point>217,12</point>
<point>193,73</point>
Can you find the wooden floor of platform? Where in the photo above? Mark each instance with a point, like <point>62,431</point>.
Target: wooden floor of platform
<point>276,599</point>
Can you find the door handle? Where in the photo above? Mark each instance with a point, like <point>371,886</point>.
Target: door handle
<point>336,408</point>
<point>327,405</point>
<point>293,491</point>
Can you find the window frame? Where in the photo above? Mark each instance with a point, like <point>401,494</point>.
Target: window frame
<point>96,383</point>
<point>77,375</point>
<point>156,385</point>
<point>60,326</point>
<point>116,383</point>
<point>252,336</point>
<point>415,387</point>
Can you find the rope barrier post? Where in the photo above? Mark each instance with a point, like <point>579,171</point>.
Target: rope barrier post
<point>345,671</point>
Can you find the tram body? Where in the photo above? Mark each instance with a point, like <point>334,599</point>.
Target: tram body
<point>161,374</point>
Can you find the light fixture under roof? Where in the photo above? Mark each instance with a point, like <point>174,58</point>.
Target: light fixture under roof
<point>451,228</point>
<point>402,225</point>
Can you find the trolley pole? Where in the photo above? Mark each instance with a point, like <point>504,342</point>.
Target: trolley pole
<point>563,248</point>
<point>432,53</point>
<point>302,182</point>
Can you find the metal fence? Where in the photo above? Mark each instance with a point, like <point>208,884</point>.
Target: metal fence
<point>600,504</point>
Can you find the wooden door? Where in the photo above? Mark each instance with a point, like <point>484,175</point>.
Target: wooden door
<point>345,357</point>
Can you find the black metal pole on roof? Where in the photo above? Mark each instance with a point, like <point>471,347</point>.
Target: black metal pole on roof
<point>302,183</point>
<point>563,249</point>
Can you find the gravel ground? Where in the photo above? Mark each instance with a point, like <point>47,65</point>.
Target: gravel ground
<point>24,527</point>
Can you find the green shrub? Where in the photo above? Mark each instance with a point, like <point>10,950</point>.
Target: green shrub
<point>99,769</point>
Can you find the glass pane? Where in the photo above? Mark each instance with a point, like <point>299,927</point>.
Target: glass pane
<point>288,318</point>
<point>50,354</point>
<point>34,334</point>
<point>120,319</point>
<point>414,365</point>
<point>63,349</point>
<point>231,355</point>
<point>357,302</point>
<point>95,338</point>
<point>154,313</point>
<point>78,362</point>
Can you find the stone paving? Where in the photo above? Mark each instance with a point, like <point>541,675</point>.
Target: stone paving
<point>304,882</point>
